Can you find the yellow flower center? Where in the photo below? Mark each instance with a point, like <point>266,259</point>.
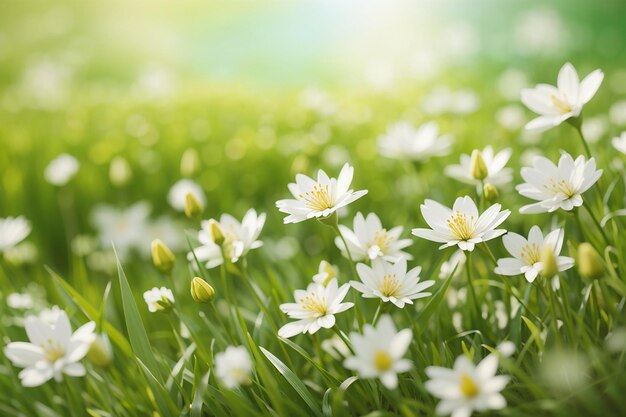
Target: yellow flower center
<point>315,304</point>
<point>468,386</point>
<point>53,351</point>
<point>530,253</point>
<point>560,187</point>
<point>560,104</point>
<point>382,361</point>
<point>318,198</point>
<point>382,240</point>
<point>461,226</point>
<point>390,285</point>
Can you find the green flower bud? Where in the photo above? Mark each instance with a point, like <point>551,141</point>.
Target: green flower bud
<point>490,192</point>
<point>548,260</point>
<point>216,232</point>
<point>119,171</point>
<point>590,265</point>
<point>193,207</point>
<point>162,256</point>
<point>201,291</point>
<point>190,163</point>
<point>101,352</point>
<point>478,168</point>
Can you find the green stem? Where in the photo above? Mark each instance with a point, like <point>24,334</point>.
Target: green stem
<point>343,338</point>
<point>474,301</point>
<point>377,313</point>
<point>577,123</point>
<point>597,223</point>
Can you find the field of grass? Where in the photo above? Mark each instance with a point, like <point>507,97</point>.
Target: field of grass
<point>242,143</point>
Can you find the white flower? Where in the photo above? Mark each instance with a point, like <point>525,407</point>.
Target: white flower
<point>326,272</point>
<point>527,253</point>
<point>391,282</point>
<point>557,187</point>
<point>462,225</point>
<point>558,104</point>
<point>239,238</point>
<point>619,142</point>
<point>378,352</point>
<point>506,348</point>
<point>53,350</point>
<point>20,301</point>
<point>12,231</point>
<point>50,315</point>
<point>457,260</point>
<point>178,194</point>
<point>127,228</point>
<point>158,299</point>
<point>497,174</point>
<point>61,169</point>
<point>370,240</point>
<point>467,387</point>
<point>403,141</point>
<point>319,198</point>
<point>233,367</point>
<point>314,308</point>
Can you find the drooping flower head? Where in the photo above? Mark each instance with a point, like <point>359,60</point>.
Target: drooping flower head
<point>378,352</point>
<point>557,187</point>
<point>565,101</point>
<point>177,195</point>
<point>319,198</point>
<point>462,225</point>
<point>370,240</point>
<point>391,282</point>
<point>527,253</point>
<point>403,141</point>
<point>314,308</point>
<point>53,350</point>
<point>159,299</point>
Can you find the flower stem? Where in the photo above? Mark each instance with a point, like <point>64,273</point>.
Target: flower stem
<point>577,124</point>
<point>468,266</point>
<point>597,223</point>
<point>377,313</point>
<point>344,338</point>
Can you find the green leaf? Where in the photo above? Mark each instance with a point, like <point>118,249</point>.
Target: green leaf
<point>436,299</point>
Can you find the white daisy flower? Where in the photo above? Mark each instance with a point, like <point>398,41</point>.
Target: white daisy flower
<point>159,299</point>
<point>497,173</point>
<point>177,195</point>
<point>326,272</point>
<point>50,315</point>
<point>391,282</point>
<point>370,240</point>
<point>233,367</point>
<point>559,186</point>
<point>319,198</point>
<point>558,104</point>
<point>61,169</point>
<point>457,260</point>
<point>619,142</point>
<point>467,387</point>
<point>12,231</point>
<point>239,238</point>
<point>403,141</point>
<point>53,350</point>
<point>20,301</point>
<point>527,253</point>
<point>314,308</point>
<point>378,352</point>
<point>461,225</point>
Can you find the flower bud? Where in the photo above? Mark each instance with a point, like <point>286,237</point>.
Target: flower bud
<point>190,163</point>
<point>490,192</point>
<point>478,168</point>
<point>101,352</point>
<point>590,264</point>
<point>162,256</point>
<point>548,260</point>
<point>201,291</point>
<point>193,207</point>
<point>119,171</point>
<point>216,232</point>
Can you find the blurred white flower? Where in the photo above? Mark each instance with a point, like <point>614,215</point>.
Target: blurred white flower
<point>467,387</point>
<point>370,240</point>
<point>46,83</point>
<point>378,352</point>
<point>177,194</point>
<point>462,225</point>
<point>159,299</point>
<point>511,117</point>
<point>326,272</point>
<point>541,30</point>
<point>21,254</point>
<point>239,238</point>
<point>506,348</point>
<point>510,82</point>
<point>557,187</point>
<point>321,198</point>
<point>565,371</point>
<point>558,104</point>
<point>441,100</point>
<point>619,142</point>
<point>318,101</point>
<point>233,367</point>
<point>314,308</point>
<point>50,315</point>
<point>617,113</point>
<point>61,169</point>
<point>457,260</point>
<point>594,128</point>
<point>403,141</point>
<point>527,253</point>
<point>20,301</point>
<point>497,173</point>
<point>12,231</point>
<point>169,231</point>
<point>128,229</point>
<point>53,350</point>
<point>391,282</point>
